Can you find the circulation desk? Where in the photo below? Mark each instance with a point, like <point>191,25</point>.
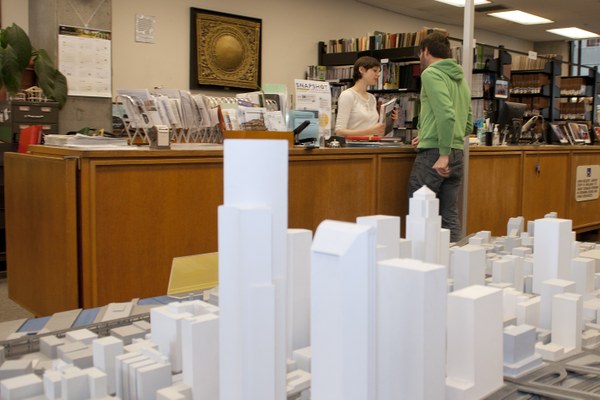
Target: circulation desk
<point>89,227</point>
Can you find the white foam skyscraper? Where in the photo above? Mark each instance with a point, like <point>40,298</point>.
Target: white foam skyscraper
<point>552,246</point>
<point>423,225</point>
<point>298,289</point>
<point>388,234</point>
<point>343,312</point>
<point>411,330</point>
<point>252,270</point>
<point>474,365</point>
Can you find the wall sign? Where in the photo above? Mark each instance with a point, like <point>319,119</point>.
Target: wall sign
<point>587,183</point>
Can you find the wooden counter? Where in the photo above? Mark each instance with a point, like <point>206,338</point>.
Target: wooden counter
<point>86,228</point>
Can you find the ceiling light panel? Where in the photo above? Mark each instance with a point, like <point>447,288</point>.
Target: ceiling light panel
<point>574,33</point>
<point>461,3</point>
<point>521,17</point>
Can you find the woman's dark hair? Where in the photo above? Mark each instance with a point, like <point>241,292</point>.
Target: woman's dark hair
<point>438,44</point>
<point>366,62</point>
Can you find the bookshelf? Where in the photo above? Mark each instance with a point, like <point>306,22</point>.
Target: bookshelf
<point>578,99</point>
<point>538,88</point>
<point>400,75</point>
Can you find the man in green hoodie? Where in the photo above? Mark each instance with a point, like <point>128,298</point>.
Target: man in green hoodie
<point>444,120</point>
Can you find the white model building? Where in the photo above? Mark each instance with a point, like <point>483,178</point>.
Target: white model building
<point>468,266</point>
<point>411,362</point>
<point>475,359</point>
<point>388,234</point>
<point>343,312</point>
<point>423,225</point>
<point>552,251</point>
<point>252,270</point>
<point>355,329</point>
<point>566,328</point>
<point>298,289</point>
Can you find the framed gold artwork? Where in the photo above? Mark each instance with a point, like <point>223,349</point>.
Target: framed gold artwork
<point>225,50</point>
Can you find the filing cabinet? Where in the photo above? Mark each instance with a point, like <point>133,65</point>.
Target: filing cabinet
<point>15,115</point>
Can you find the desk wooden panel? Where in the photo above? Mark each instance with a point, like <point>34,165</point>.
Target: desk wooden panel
<point>495,189</point>
<point>392,191</point>
<point>339,187</point>
<point>545,189</point>
<point>107,223</point>
<point>136,215</point>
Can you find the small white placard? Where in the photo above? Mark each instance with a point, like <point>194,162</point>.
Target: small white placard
<point>145,28</point>
<point>532,55</point>
<point>587,184</point>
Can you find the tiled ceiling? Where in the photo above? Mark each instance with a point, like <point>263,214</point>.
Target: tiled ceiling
<point>584,14</point>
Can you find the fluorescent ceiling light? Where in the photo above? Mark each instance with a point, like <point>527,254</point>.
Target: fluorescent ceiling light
<point>520,17</point>
<point>573,33</point>
<point>461,3</point>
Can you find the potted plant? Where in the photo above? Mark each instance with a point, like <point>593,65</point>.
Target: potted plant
<point>16,54</point>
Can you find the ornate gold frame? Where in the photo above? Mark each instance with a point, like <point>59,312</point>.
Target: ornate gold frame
<point>225,50</point>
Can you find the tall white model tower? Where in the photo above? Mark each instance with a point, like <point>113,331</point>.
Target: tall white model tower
<point>411,330</point>
<point>343,315</point>
<point>423,225</point>
<point>552,246</point>
<point>475,365</point>
<point>252,270</point>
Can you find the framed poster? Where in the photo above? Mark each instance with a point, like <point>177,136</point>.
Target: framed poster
<point>501,89</point>
<point>225,50</point>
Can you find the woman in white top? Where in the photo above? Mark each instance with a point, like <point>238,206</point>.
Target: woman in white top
<point>357,109</point>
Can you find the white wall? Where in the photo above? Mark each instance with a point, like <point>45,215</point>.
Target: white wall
<point>291,31</point>
<point>16,11</point>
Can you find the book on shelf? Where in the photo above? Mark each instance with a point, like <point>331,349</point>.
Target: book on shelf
<point>378,40</point>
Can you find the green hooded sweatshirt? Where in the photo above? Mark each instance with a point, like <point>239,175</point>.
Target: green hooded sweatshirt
<point>446,115</point>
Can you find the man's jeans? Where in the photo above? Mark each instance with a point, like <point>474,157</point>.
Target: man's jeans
<point>446,189</point>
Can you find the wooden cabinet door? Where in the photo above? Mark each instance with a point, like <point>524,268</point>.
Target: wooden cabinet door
<point>41,232</point>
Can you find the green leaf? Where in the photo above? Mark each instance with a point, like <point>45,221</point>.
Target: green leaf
<point>50,80</point>
<point>18,41</point>
<point>15,54</point>
<point>10,70</point>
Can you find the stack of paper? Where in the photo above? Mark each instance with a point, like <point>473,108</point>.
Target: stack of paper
<point>83,140</point>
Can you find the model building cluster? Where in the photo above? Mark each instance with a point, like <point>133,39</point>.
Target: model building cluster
<point>354,312</point>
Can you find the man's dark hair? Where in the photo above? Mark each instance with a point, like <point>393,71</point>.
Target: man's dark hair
<point>438,44</point>
<point>367,62</point>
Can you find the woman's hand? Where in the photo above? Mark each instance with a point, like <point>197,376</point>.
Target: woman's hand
<point>395,113</point>
<point>377,129</point>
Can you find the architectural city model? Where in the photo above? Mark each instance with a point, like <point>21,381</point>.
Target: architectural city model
<point>354,313</point>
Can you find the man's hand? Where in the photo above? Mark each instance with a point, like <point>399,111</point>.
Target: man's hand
<point>441,166</point>
<point>414,141</point>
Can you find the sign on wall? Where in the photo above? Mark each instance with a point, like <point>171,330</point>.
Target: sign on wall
<point>587,183</point>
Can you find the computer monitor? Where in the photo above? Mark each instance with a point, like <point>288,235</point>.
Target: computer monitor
<point>510,115</point>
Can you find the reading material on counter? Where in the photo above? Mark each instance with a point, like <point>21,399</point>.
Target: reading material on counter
<point>385,115</point>
<point>83,140</point>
